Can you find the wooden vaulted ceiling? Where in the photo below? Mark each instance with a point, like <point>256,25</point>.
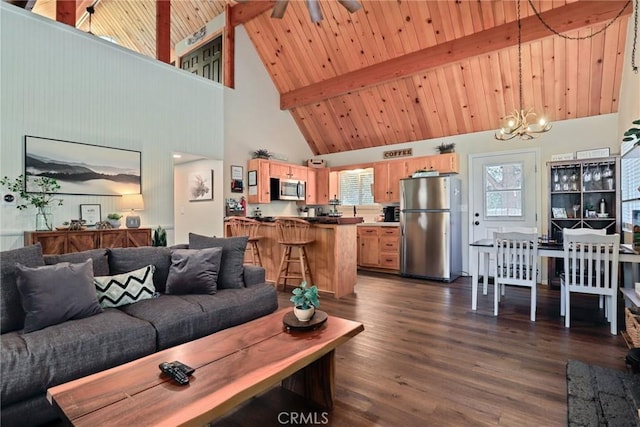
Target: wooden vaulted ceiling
<point>407,70</point>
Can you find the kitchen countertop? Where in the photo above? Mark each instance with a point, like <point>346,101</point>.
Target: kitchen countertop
<point>337,220</point>
<point>379,224</point>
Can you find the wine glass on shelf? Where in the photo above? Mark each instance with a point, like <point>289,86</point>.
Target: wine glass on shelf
<point>574,181</point>
<point>576,209</point>
<point>586,178</point>
<point>565,180</point>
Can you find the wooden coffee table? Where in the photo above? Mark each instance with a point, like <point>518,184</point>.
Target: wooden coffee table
<point>232,366</point>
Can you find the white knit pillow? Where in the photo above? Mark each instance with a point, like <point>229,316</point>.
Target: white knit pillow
<point>126,288</point>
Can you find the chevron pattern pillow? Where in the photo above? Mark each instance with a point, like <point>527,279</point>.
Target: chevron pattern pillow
<point>126,288</point>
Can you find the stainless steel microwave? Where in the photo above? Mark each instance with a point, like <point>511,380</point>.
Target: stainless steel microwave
<point>287,189</point>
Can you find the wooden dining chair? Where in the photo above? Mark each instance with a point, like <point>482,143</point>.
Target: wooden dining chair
<point>242,226</point>
<point>516,264</point>
<point>578,232</point>
<point>591,267</point>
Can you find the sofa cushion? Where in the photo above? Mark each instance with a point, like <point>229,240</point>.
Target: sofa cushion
<point>194,271</point>
<point>126,288</point>
<point>233,248</point>
<point>175,320</point>
<point>123,260</point>
<point>231,307</point>
<point>11,312</point>
<point>53,294</point>
<point>31,363</point>
<point>99,257</point>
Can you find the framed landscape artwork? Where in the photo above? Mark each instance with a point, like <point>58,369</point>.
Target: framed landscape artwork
<point>83,168</point>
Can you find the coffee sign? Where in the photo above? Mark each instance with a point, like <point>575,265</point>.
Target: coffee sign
<point>406,152</point>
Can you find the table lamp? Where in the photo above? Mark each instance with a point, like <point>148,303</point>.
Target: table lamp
<point>132,202</point>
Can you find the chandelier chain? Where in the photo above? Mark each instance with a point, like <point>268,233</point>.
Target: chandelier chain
<point>564,36</point>
<point>634,65</point>
<point>520,55</point>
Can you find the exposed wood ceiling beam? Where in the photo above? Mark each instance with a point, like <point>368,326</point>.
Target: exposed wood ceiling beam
<point>565,18</point>
<point>246,11</point>
<point>229,52</point>
<point>163,30</point>
<point>66,12</point>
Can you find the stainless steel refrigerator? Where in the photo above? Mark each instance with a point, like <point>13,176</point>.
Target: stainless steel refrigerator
<point>430,226</point>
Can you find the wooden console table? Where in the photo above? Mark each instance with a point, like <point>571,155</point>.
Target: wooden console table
<point>62,242</point>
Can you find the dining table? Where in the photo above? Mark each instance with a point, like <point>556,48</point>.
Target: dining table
<point>483,248</point>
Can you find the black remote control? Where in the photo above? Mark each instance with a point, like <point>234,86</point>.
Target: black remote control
<point>174,372</point>
<point>184,368</point>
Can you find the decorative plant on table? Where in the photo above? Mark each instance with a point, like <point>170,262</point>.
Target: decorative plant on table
<point>305,301</point>
<point>114,219</point>
<point>42,198</point>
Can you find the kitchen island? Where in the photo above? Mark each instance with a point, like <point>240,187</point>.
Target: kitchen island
<point>332,255</point>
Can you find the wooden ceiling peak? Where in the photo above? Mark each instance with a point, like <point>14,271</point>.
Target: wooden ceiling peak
<point>399,71</point>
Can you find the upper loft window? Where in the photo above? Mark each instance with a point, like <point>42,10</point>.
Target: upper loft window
<point>206,61</point>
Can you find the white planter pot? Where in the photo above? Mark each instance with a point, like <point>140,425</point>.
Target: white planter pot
<point>115,223</point>
<point>304,315</point>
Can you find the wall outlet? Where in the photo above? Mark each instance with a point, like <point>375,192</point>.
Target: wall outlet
<point>9,199</point>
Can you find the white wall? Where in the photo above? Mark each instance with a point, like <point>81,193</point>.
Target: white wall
<point>58,82</point>
<point>254,120</point>
<point>200,217</point>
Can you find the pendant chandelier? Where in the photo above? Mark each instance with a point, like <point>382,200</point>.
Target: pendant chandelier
<point>523,123</point>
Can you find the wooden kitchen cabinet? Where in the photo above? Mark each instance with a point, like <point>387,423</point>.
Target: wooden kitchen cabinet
<point>260,193</point>
<point>443,163</point>
<point>311,189</point>
<point>378,247</point>
<point>386,180</point>
<point>322,185</point>
<point>288,171</point>
<point>62,242</point>
<point>368,247</point>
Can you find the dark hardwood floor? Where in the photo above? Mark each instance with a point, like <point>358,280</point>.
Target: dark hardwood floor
<point>426,359</point>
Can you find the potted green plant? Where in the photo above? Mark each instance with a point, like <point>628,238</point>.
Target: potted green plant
<point>446,148</point>
<point>114,219</point>
<point>159,237</point>
<point>261,153</point>
<point>42,198</point>
<point>305,301</point>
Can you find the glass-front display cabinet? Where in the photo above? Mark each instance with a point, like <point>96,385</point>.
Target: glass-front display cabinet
<point>582,194</point>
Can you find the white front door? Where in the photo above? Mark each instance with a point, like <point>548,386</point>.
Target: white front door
<point>504,192</point>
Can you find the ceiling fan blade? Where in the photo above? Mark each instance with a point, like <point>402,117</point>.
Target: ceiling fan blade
<point>314,10</point>
<point>350,5</point>
<point>279,8</point>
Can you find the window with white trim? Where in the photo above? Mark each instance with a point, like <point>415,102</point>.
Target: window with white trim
<point>356,187</point>
<point>503,190</point>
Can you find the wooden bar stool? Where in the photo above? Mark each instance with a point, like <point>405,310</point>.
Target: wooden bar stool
<point>241,226</point>
<point>293,233</point>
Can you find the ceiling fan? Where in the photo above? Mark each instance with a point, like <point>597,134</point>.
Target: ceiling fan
<point>314,8</point>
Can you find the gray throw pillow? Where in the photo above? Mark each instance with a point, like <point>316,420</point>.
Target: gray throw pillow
<point>231,271</point>
<point>194,271</point>
<point>99,257</point>
<point>126,288</point>
<point>11,312</point>
<point>124,260</point>
<point>56,293</point>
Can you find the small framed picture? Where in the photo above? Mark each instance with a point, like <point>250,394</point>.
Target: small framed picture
<point>559,212</point>
<point>253,178</point>
<point>236,173</point>
<point>90,214</point>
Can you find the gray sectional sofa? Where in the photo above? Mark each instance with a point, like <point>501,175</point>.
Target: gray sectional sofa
<point>32,362</point>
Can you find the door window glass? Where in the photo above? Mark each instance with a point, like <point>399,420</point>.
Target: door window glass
<point>503,190</point>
